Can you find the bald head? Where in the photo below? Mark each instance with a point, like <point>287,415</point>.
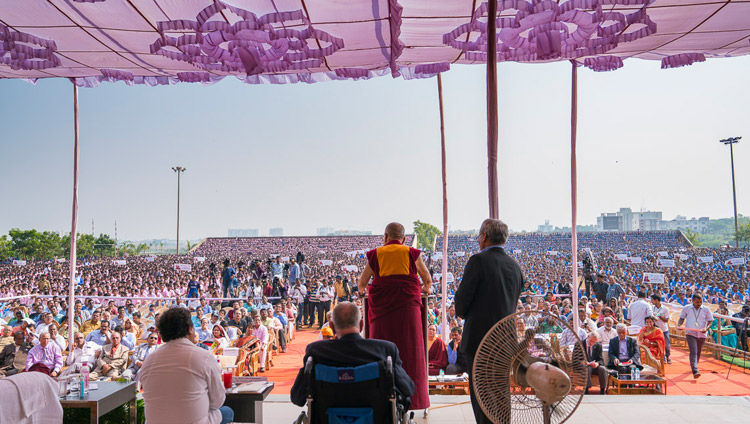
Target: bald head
<point>346,316</point>
<point>394,231</point>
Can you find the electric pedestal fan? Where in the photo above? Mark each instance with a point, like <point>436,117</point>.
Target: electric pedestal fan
<point>521,375</point>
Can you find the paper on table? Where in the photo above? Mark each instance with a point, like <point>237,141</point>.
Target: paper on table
<point>254,387</point>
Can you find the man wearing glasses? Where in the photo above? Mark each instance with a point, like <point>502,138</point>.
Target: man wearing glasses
<point>140,354</point>
<point>82,352</point>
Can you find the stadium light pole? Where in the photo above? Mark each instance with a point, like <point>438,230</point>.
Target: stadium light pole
<point>179,170</point>
<point>730,141</point>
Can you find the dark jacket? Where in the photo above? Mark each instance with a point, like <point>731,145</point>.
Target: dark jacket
<point>9,353</point>
<point>633,353</point>
<point>351,350</point>
<point>488,292</point>
<point>596,354</point>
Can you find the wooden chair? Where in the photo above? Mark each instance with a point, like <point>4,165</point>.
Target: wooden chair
<point>648,360</point>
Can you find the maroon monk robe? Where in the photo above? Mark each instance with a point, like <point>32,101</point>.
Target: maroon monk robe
<point>438,357</point>
<point>394,311</point>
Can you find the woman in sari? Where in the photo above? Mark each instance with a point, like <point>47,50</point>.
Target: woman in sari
<point>220,340</point>
<point>652,338</point>
<point>248,344</point>
<point>437,354</point>
<point>728,333</point>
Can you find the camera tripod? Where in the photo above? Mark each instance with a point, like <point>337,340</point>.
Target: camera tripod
<point>743,334</point>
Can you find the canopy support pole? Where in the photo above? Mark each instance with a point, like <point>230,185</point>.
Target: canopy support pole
<point>444,278</point>
<point>74,223</point>
<point>574,190</point>
<point>492,121</point>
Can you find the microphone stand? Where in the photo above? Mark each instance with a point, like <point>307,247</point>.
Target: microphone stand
<point>743,333</point>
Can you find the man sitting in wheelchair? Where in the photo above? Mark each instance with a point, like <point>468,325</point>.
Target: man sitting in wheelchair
<point>351,378</point>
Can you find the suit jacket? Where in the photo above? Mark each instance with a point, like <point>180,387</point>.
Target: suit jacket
<point>9,353</point>
<point>140,354</point>
<point>633,353</point>
<point>596,354</point>
<point>488,292</point>
<point>351,350</point>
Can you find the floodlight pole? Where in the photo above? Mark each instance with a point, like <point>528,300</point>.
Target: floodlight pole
<point>574,192</point>
<point>730,141</point>
<point>179,170</point>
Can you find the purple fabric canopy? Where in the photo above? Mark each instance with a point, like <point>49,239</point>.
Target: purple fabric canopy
<point>281,41</point>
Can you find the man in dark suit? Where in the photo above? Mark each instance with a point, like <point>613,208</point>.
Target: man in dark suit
<point>488,292</point>
<point>350,349</point>
<point>595,362</point>
<point>623,351</point>
<point>13,356</point>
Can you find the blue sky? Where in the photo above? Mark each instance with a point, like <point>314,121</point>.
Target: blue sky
<point>356,155</point>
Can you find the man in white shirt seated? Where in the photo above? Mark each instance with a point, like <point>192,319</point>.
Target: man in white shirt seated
<point>607,332</point>
<point>182,384</point>
<point>82,352</point>
<point>44,323</point>
<point>55,337</point>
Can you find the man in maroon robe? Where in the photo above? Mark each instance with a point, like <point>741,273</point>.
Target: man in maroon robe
<point>395,302</point>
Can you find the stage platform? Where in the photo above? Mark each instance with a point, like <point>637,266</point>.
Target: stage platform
<point>593,409</point>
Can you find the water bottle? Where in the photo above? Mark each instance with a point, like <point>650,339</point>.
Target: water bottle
<point>85,376</point>
<point>81,392</point>
<point>441,377</point>
<point>632,372</point>
<point>637,373</point>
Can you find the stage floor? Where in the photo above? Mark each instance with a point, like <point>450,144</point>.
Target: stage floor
<point>593,409</point>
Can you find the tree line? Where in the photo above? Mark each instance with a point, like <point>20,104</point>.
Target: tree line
<point>33,244</point>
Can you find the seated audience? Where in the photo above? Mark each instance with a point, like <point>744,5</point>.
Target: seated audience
<point>13,356</point>
<point>111,360</point>
<point>83,352</point>
<point>220,340</point>
<point>623,351</point>
<point>652,337</point>
<point>350,349</point>
<point>140,354</point>
<point>45,357</point>
<point>56,338</point>
<point>607,332</point>
<point>456,364</point>
<point>181,383</point>
<point>7,336</point>
<point>261,333</point>
<point>101,335</point>
<point>436,353</point>
<point>595,362</point>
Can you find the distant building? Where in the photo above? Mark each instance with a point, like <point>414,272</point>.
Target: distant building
<point>546,228</point>
<point>350,233</point>
<point>246,232</point>
<point>325,231</point>
<point>276,232</point>
<point>698,225</point>
<point>627,220</point>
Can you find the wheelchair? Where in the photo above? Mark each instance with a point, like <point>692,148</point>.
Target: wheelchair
<point>364,394</point>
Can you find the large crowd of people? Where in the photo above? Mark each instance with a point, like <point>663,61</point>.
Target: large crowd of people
<point>253,293</point>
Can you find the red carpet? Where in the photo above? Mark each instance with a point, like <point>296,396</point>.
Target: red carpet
<point>286,365</point>
<point>712,382</point>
